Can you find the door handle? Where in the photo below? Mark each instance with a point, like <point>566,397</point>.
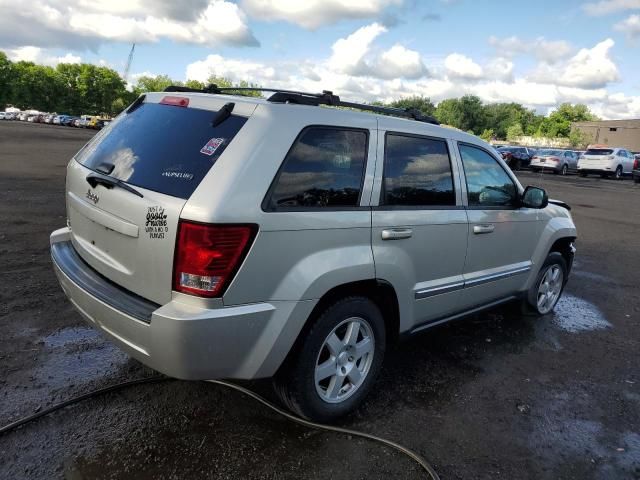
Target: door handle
<point>396,233</point>
<point>486,228</point>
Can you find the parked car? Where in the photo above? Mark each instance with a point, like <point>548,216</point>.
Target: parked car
<point>556,161</point>
<point>23,117</point>
<point>301,258</point>
<point>3,116</point>
<point>516,157</point>
<point>68,121</point>
<point>636,169</point>
<point>606,161</point>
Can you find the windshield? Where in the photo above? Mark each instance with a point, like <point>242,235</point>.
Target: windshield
<point>163,148</point>
<point>599,151</point>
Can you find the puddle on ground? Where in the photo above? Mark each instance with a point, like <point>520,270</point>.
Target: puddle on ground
<point>71,335</point>
<point>574,314</point>
<point>77,355</point>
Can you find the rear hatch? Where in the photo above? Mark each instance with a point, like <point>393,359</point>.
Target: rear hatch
<point>127,186</point>
<point>598,158</point>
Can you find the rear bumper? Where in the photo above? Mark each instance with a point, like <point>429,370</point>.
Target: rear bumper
<point>180,339</point>
<point>596,170</point>
<point>545,166</point>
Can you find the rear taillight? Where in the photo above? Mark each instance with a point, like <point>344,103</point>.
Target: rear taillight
<point>208,256</point>
<point>636,164</point>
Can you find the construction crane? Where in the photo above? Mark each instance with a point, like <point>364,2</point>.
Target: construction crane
<point>128,65</point>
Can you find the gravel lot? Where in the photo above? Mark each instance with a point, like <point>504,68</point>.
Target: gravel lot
<point>492,396</point>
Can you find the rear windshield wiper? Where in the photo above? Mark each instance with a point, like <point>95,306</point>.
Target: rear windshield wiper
<point>109,182</point>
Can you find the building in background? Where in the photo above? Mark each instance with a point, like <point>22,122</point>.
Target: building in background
<point>615,133</point>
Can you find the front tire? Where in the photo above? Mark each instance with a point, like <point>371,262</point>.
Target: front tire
<point>565,170</point>
<point>544,294</point>
<point>336,363</point>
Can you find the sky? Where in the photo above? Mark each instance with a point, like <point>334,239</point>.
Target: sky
<point>537,53</point>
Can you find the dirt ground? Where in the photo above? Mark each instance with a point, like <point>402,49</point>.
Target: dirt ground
<point>492,396</point>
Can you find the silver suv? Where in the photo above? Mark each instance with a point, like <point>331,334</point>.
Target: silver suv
<point>211,236</point>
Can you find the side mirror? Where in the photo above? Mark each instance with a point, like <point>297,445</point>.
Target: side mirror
<point>534,197</point>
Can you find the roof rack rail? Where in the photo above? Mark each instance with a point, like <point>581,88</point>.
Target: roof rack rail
<point>305,98</point>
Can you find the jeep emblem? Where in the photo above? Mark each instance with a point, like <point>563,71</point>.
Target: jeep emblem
<point>92,197</point>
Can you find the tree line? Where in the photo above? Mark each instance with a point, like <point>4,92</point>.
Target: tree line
<point>89,89</point>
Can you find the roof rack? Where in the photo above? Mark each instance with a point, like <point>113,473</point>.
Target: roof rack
<point>305,98</point>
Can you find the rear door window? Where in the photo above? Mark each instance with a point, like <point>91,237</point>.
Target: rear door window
<point>417,172</point>
<point>323,169</point>
<point>164,148</point>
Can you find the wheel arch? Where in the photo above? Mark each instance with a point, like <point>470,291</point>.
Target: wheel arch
<point>379,291</point>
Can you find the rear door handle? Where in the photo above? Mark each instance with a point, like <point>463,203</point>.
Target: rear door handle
<point>486,228</point>
<point>396,233</point>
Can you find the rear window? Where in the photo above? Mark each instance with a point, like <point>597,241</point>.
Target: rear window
<point>163,148</point>
<point>323,169</point>
<point>599,151</point>
<point>549,153</point>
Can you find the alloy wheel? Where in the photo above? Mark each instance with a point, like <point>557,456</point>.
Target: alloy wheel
<point>549,289</point>
<point>344,360</point>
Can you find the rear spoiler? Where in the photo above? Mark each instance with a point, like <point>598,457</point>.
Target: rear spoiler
<point>560,203</point>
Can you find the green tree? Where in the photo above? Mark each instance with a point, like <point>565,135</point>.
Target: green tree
<point>5,79</point>
<point>418,102</point>
<point>514,131</point>
<point>466,113</point>
<point>558,124</point>
<point>155,84</point>
<point>196,84</point>
<point>579,139</point>
<point>226,83</point>
<point>500,116</point>
<point>488,134</point>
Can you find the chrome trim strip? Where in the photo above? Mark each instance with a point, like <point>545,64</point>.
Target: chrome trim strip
<point>452,287</point>
<point>430,292</point>
<point>496,276</point>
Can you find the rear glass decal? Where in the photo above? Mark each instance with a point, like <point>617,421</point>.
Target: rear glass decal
<point>156,225</point>
<point>211,146</point>
<point>179,175</point>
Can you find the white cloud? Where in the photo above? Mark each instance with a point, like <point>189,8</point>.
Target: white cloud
<point>86,24</point>
<point>630,26</point>
<point>500,68</point>
<point>605,7</point>
<point>549,51</point>
<point>590,68</point>
<point>235,70</point>
<point>312,14</point>
<point>355,55</point>
<point>39,56</point>
<point>359,71</point>
<point>461,66</point>
<point>348,53</point>
<point>399,61</point>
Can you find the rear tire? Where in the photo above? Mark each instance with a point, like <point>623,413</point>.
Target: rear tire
<point>582,174</point>
<point>544,294</point>
<point>334,366</point>
<point>618,173</point>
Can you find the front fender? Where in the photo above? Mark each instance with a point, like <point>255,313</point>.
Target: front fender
<point>554,229</point>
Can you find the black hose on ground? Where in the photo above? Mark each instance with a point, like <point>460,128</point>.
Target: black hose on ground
<point>159,378</point>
